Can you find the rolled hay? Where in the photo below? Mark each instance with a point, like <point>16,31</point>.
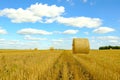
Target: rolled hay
<point>35,49</point>
<point>51,48</point>
<point>80,45</point>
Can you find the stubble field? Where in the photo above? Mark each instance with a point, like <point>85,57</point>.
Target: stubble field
<point>59,65</point>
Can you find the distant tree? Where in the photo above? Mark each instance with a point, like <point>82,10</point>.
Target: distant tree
<point>109,47</point>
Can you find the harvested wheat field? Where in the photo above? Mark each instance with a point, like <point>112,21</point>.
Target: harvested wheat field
<point>59,65</point>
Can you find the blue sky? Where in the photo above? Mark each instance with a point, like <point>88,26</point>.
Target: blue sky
<point>27,24</point>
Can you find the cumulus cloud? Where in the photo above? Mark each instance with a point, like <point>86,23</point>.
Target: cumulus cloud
<point>49,20</point>
<point>71,32</point>
<point>30,31</point>
<point>19,15</point>
<point>45,10</point>
<point>28,37</point>
<point>102,30</point>
<point>80,22</point>
<point>44,13</point>
<point>34,13</point>
<point>3,31</point>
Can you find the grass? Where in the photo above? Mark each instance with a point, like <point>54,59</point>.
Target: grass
<point>59,65</point>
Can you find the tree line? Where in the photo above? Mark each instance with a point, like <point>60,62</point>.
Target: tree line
<point>109,47</point>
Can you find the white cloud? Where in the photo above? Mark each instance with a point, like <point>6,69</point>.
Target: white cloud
<point>87,33</point>
<point>13,42</point>
<point>80,22</point>
<point>20,15</point>
<point>93,40</point>
<point>9,42</point>
<point>28,37</point>
<point>44,13</point>
<point>57,40</point>
<point>45,10</point>
<point>97,41</point>
<point>3,31</point>
<point>31,44</point>
<point>50,20</point>
<point>2,39</point>
<point>29,31</point>
<point>62,43</point>
<point>114,41</point>
<point>108,38</point>
<point>16,44</point>
<point>102,30</point>
<point>2,43</point>
<point>34,13</point>
<point>57,43</point>
<point>71,32</point>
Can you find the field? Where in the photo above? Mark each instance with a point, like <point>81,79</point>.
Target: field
<point>59,65</point>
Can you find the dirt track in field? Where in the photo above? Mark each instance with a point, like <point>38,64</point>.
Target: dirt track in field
<point>68,68</point>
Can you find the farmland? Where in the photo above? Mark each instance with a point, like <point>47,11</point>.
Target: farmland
<point>59,65</point>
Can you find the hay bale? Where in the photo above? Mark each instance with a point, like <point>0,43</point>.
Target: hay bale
<point>51,48</point>
<point>81,45</point>
<point>35,49</point>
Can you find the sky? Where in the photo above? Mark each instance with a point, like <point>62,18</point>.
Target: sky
<point>29,24</point>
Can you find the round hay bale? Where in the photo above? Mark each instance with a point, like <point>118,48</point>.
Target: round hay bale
<point>35,49</point>
<point>51,48</point>
<point>81,45</point>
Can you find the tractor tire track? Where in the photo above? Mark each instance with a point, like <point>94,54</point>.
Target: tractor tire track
<point>66,67</point>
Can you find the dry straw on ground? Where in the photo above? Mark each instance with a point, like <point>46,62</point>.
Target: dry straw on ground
<point>81,45</point>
